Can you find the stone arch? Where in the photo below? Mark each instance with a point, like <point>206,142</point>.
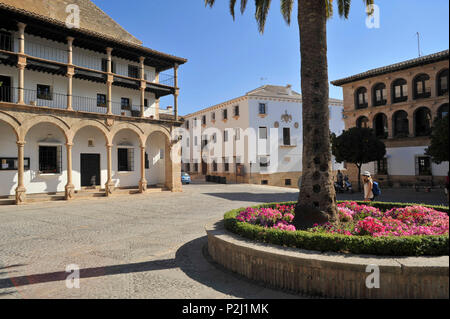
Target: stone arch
<point>379,94</point>
<point>362,122</point>
<point>421,86</point>
<point>441,88</point>
<point>442,110</point>
<point>12,122</point>
<point>59,123</point>
<point>400,124</point>
<point>97,124</point>
<point>166,133</point>
<point>361,98</point>
<point>131,127</point>
<point>380,125</point>
<point>422,121</point>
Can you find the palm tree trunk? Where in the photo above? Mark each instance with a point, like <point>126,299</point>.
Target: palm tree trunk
<point>317,198</point>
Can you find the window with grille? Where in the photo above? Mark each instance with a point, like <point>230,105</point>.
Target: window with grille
<point>236,110</point>
<point>423,165</point>
<point>287,136</point>
<point>264,162</point>
<point>380,95</point>
<point>422,86</point>
<point>443,83</point>
<point>50,159</point>
<point>400,91</point>
<point>133,71</point>
<point>382,167</point>
<point>361,98</point>
<point>6,41</point>
<point>44,92</point>
<point>101,100</point>
<point>262,108</point>
<point>225,114</point>
<point>125,103</point>
<point>125,159</point>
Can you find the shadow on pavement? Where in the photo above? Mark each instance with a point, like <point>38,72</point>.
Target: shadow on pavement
<point>191,259</point>
<point>256,197</point>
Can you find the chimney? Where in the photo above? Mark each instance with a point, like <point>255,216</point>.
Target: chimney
<point>289,89</point>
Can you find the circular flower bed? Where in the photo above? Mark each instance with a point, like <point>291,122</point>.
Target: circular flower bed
<point>373,228</point>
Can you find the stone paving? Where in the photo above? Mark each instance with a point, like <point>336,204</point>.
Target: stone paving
<point>142,246</point>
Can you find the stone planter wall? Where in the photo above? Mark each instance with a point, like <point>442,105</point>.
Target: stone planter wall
<point>329,275</point>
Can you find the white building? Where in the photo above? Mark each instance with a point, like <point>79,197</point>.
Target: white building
<point>79,107</point>
<point>270,117</point>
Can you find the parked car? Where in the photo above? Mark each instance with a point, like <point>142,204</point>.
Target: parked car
<point>185,178</point>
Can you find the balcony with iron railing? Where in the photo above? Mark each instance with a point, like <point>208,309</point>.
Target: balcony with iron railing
<point>59,101</point>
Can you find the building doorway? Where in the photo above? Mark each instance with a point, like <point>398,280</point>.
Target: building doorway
<point>5,88</point>
<point>90,170</point>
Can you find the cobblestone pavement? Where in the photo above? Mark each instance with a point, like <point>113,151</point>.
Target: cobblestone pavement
<point>141,246</point>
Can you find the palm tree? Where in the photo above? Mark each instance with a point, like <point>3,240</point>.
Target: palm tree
<point>317,198</point>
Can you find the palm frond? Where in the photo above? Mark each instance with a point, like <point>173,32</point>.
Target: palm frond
<point>344,8</point>
<point>369,5</point>
<point>329,8</point>
<point>243,6</point>
<point>262,10</point>
<point>286,10</point>
<point>232,5</point>
<point>209,3</point>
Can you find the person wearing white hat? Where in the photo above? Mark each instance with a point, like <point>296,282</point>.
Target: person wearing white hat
<point>368,186</point>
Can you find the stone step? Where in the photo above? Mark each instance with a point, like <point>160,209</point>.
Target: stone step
<point>7,201</point>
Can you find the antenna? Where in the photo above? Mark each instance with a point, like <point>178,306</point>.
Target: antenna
<point>418,44</point>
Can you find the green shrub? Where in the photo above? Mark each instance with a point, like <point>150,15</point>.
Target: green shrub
<point>324,242</point>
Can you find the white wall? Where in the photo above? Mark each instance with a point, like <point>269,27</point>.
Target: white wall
<point>126,179</point>
<point>8,148</point>
<point>33,180</point>
<point>155,148</point>
<point>80,146</point>
<point>401,162</point>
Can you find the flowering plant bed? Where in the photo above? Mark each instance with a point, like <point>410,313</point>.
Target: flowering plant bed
<point>369,228</point>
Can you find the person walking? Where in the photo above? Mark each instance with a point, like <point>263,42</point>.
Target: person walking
<point>368,186</point>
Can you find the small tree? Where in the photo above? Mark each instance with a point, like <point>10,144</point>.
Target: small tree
<point>438,149</point>
<point>358,146</point>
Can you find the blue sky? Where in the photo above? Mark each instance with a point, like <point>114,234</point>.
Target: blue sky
<point>228,59</point>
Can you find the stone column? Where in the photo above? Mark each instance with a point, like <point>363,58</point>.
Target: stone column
<point>21,26</point>
<point>20,190</point>
<point>70,188</point>
<point>143,181</point>
<point>21,63</point>
<point>109,81</point>
<point>109,186</point>
<point>175,95</point>
<point>70,72</point>
<point>143,84</point>
<point>21,80</point>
